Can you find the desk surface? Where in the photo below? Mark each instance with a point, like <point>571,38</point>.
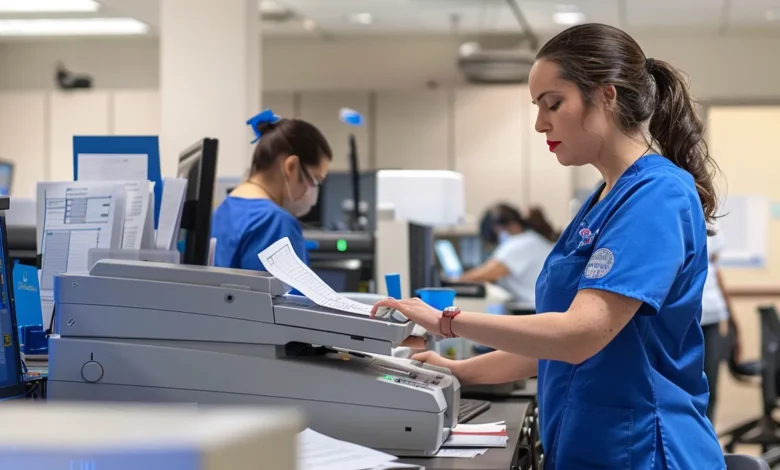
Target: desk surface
<point>511,411</point>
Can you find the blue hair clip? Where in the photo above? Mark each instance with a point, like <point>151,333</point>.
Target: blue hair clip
<point>265,117</point>
<point>350,117</point>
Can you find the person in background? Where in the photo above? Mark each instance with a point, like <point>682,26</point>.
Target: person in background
<point>289,163</point>
<point>716,315</point>
<point>518,258</point>
<point>538,220</point>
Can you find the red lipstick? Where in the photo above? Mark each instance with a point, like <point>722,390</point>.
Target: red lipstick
<point>553,144</point>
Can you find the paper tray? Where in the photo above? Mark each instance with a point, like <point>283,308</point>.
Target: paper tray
<point>315,317</point>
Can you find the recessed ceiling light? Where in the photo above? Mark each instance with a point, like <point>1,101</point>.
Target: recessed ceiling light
<point>309,24</point>
<point>269,6</point>
<point>568,15</point>
<point>73,27</point>
<point>361,18</point>
<point>569,18</point>
<point>469,48</point>
<point>48,6</point>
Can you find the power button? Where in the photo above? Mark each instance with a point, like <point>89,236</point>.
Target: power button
<point>92,371</point>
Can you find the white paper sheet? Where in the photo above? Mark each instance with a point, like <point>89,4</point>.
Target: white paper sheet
<point>138,194</point>
<point>132,170</point>
<point>75,217</point>
<point>478,435</point>
<point>280,260</point>
<point>112,167</point>
<point>319,452</point>
<point>460,453</point>
<point>148,236</point>
<point>745,230</point>
<point>398,466</point>
<point>173,196</point>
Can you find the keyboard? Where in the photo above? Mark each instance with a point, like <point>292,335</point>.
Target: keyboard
<point>470,409</point>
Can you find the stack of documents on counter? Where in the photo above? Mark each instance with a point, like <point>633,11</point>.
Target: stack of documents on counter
<point>478,435</point>
<point>319,452</point>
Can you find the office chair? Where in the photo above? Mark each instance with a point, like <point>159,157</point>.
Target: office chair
<point>764,430</point>
<point>745,462</point>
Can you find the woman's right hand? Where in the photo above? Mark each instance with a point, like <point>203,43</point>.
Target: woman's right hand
<point>430,357</point>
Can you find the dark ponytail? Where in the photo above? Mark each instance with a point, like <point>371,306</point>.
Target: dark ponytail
<point>679,132</point>
<point>503,214</point>
<point>537,221</point>
<point>289,137</point>
<point>596,55</point>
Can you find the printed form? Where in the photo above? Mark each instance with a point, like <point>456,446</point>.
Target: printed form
<point>280,260</point>
<point>76,217</point>
<point>174,194</point>
<point>319,452</point>
<point>132,170</point>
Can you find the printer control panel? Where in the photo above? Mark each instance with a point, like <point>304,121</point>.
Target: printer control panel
<point>403,371</point>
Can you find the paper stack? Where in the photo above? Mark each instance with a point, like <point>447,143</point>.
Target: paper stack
<point>478,435</point>
<point>319,452</point>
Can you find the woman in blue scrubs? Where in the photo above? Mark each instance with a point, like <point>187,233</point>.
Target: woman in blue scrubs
<point>289,163</point>
<point>617,345</point>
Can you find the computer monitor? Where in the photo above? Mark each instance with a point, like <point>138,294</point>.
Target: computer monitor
<point>224,186</point>
<point>472,251</point>
<point>198,164</point>
<point>448,259</point>
<point>6,177</point>
<point>341,275</point>
<point>11,383</point>
<point>422,263</point>
<point>21,231</point>
<point>329,214</point>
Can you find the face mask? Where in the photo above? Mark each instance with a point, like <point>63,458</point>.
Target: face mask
<point>303,205</point>
<point>503,236</point>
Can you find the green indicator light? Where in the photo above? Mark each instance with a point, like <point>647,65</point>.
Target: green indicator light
<point>389,377</point>
<point>341,245</point>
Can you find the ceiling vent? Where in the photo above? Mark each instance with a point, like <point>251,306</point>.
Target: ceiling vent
<point>272,12</point>
<point>496,65</point>
<point>500,65</point>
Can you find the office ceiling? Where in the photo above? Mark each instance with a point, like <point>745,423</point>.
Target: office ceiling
<point>351,17</point>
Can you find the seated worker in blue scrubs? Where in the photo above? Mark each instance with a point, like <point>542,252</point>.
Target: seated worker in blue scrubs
<point>616,343</point>
<point>289,163</point>
<point>517,260</point>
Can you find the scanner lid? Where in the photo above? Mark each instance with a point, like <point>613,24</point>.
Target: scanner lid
<point>258,281</point>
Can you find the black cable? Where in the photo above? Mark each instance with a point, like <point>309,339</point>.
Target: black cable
<point>50,331</point>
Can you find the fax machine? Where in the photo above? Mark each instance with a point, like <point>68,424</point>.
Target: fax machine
<point>154,332</point>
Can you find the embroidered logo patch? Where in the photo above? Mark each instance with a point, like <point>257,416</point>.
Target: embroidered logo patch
<point>600,264</point>
<point>586,237</point>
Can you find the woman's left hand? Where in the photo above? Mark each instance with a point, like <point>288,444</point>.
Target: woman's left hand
<point>415,310</point>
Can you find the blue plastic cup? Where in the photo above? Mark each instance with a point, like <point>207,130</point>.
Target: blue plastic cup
<point>437,297</point>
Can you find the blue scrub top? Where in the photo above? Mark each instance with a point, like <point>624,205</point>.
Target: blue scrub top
<point>640,402</point>
<point>245,227</point>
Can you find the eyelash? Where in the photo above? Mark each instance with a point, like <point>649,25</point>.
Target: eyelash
<point>555,106</point>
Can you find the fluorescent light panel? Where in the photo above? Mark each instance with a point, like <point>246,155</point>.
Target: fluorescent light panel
<point>569,17</point>
<point>48,6</point>
<point>361,18</point>
<point>73,27</point>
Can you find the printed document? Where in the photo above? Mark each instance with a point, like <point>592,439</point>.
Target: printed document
<point>139,195</point>
<point>75,217</point>
<point>132,170</point>
<point>173,196</point>
<point>478,435</point>
<point>112,167</point>
<point>319,452</point>
<point>281,260</point>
